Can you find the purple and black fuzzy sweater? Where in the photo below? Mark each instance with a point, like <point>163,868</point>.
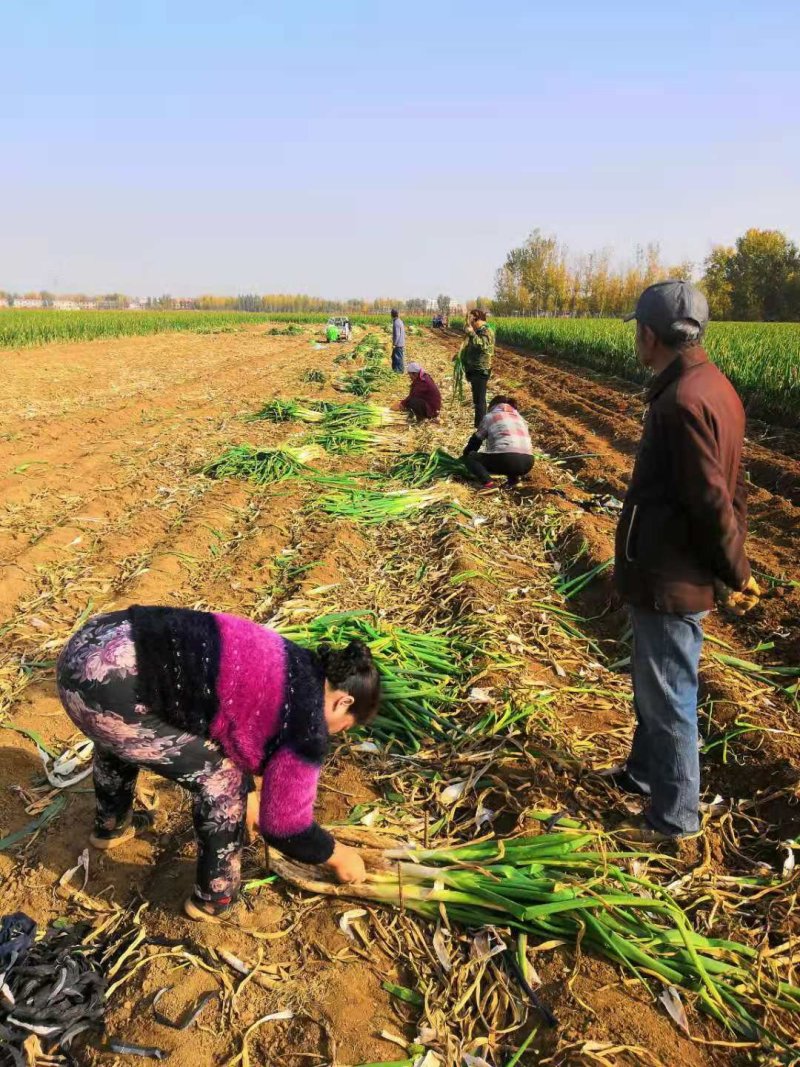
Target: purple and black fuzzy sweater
<point>259,696</point>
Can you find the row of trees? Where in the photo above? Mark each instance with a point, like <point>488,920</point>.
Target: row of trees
<point>757,279</point>
<point>301,302</point>
<point>541,277</point>
<point>244,302</point>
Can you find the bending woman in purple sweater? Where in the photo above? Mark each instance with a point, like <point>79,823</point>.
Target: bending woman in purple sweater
<point>209,700</point>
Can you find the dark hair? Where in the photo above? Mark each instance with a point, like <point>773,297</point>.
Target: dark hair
<point>394,313</point>
<point>352,669</point>
<point>684,333</point>
<point>479,313</point>
<point>503,400</point>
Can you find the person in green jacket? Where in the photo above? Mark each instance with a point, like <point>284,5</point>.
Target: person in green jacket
<point>477,353</point>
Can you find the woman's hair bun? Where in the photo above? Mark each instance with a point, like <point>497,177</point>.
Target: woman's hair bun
<point>341,663</point>
<point>353,670</point>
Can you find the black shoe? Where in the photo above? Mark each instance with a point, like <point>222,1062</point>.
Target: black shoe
<point>619,778</point>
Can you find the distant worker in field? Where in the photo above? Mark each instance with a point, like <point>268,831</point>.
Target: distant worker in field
<point>331,332</point>
<point>508,445</point>
<point>207,701</point>
<point>398,342</point>
<point>477,353</point>
<point>346,329</point>
<point>680,540</point>
<point>424,401</point>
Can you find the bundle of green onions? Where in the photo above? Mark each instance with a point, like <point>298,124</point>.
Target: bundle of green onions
<point>360,413</point>
<point>370,347</point>
<point>372,374</point>
<point>421,468</point>
<point>458,379</point>
<point>277,410</point>
<point>264,466</point>
<point>349,440</point>
<point>363,382</point>
<point>417,671</point>
<point>369,506</point>
<point>548,887</point>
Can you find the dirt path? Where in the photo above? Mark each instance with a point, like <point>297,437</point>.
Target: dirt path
<point>102,506</point>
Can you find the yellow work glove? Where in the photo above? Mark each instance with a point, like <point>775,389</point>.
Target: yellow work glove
<point>741,601</point>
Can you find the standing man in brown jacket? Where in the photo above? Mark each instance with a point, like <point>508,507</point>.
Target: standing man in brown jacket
<point>680,544</point>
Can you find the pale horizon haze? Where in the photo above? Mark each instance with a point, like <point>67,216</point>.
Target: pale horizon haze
<point>374,149</point>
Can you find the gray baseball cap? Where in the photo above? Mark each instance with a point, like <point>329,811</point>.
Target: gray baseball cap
<point>666,302</point>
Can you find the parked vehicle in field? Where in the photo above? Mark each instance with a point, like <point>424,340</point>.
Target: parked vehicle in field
<point>342,324</point>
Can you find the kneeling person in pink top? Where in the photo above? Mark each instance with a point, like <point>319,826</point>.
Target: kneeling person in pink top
<point>209,700</point>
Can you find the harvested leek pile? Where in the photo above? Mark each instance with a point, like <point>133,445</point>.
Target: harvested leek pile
<point>370,347</point>
<point>369,506</point>
<point>362,414</point>
<point>418,469</point>
<point>374,372</point>
<point>350,429</point>
<point>264,466</point>
<point>418,671</point>
<point>316,377</point>
<point>277,410</point>
<point>349,440</point>
<point>363,382</point>
<point>566,886</point>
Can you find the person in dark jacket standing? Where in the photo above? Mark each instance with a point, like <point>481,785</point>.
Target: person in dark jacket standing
<point>477,353</point>
<point>398,342</point>
<point>679,545</point>
<point>424,401</point>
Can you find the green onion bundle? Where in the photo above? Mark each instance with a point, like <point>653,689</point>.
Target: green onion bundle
<point>418,469</point>
<point>277,410</point>
<point>368,506</point>
<point>348,440</point>
<point>417,671</point>
<point>349,429</point>
<point>370,348</point>
<point>360,413</point>
<point>365,381</point>
<point>565,886</point>
<point>373,374</point>
<point>318,377</point>
<point>458,379</point>
<point>264,466</point>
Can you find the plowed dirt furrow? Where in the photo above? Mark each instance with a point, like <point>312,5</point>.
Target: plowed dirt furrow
<point>612,410</point>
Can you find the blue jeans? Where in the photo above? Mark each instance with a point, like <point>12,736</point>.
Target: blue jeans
<point>665,760</point>
<point>398,358</point>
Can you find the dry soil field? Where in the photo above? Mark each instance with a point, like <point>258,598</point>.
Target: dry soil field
<point>101,506</point>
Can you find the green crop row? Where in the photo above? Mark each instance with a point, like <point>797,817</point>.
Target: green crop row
<point>23,327</point>
<point>761,359</point>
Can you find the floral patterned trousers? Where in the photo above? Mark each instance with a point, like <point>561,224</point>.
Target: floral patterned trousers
<point>97,686</point>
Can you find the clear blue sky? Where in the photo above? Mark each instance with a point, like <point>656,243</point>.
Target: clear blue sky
<point>357,147</point>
